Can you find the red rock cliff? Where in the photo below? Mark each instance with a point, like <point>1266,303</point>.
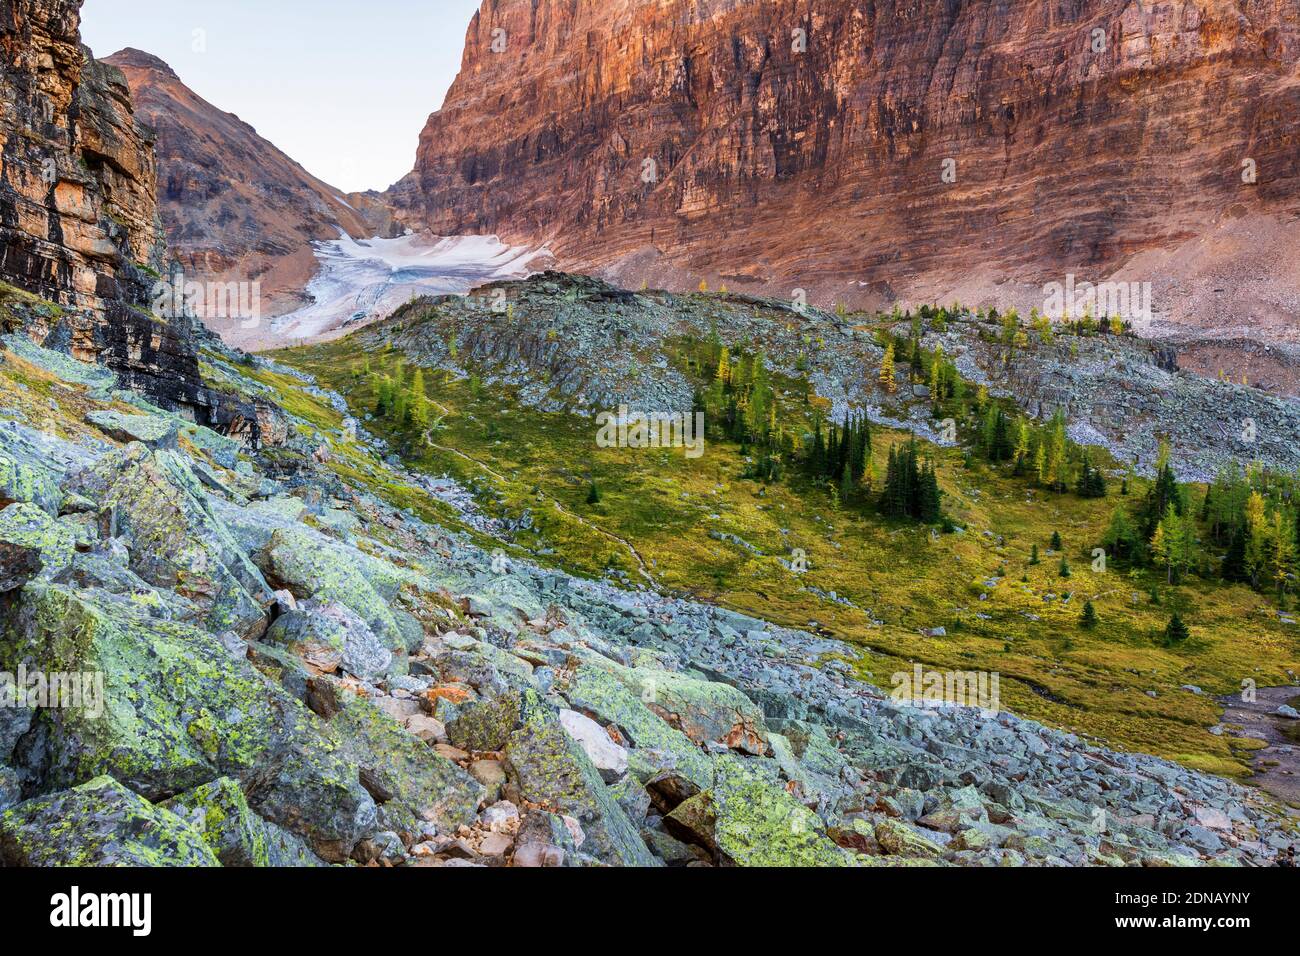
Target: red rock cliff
<point>79,221</point>
<point>1082,133</point>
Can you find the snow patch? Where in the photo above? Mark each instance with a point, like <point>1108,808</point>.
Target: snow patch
<point>363,280</point>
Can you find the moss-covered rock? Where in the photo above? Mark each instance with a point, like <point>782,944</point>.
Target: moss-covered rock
<point>238,836</point>
<point>551,769</point>
<point>396,766</point>
<point>485,725</point>
<point>178,711</point>
<point>657,747</point>
<point>27,526</point>
<point>100,823</point>
<point>177,541</point>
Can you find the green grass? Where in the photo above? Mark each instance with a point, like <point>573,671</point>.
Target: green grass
<point>666,507</point>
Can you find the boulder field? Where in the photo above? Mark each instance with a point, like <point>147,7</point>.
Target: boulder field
<point>294,671</point>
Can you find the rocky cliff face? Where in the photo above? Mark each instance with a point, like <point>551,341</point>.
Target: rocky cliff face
<point>79,223</point>
<point>234,207</point>
<point>869,149</point>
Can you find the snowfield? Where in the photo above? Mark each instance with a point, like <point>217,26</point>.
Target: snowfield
<point>363,280</point>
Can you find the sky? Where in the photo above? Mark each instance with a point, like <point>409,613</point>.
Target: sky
<point>343,87</point>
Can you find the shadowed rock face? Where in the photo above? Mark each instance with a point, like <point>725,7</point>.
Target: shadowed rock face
<point>235,208</point>
<point>823,170</point>
<point>79,223</point>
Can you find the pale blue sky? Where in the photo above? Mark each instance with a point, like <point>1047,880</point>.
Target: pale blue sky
<point>342,86</point>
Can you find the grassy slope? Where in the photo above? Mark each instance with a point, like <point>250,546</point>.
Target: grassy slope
<point>1052,670</point>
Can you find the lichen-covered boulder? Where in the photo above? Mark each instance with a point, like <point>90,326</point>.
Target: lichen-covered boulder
<point>25,481</point>
<point>552,770</point>
<point>657,747</point>
<point>178,711</point>
<point>177,541</point>
<point>25,526</point>
<point>308,566</point>
<point>705,711</point>
<point>748,820</point>
<point>332,630</point>
<point>485,725</point>
<point>100,823</point>
<point>238,836</point>
<point>396,766</point>
<point>151,430</point>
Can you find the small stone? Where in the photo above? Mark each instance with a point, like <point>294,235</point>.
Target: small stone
<point>427,728</point>
<point>495,844</point>
<point>500,816</point>
<point>538,855</point>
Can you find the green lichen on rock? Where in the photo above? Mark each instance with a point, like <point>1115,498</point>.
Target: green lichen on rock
<point>898,839</point>
<point>28,526</point>
<point>553,770</point>
<point>656,746</point>
<point>178,711</point>
<point>485,725</point>
<point>177,541</point>
<point>396,766</point>
<point>238,836</point>
<point>704,710</point>
<point>98,381</point>
<point>312,567</point>
<point>100,823</point>
<point>152,430</point>
<point>25,480</point>
<point>749,820</point>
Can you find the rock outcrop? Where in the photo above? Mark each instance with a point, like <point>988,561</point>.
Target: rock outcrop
<point>235,208</point>
<point>863,151</point>
<point>79,222</point>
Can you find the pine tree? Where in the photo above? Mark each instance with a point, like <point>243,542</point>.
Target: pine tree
<point>930,498</point>
<point>1089,618</point>
<point>1064,570</point>
<point>593,495</point>
<point>1056,541</point>
<point>1234,562</point>
<point>1121,539</point>
<point>1033,556</point>
<point>1091,484</point>
<point>1176,632</point>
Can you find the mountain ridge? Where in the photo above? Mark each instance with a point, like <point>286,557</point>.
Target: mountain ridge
<point>1073,151</point>
<point>235,207</point>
